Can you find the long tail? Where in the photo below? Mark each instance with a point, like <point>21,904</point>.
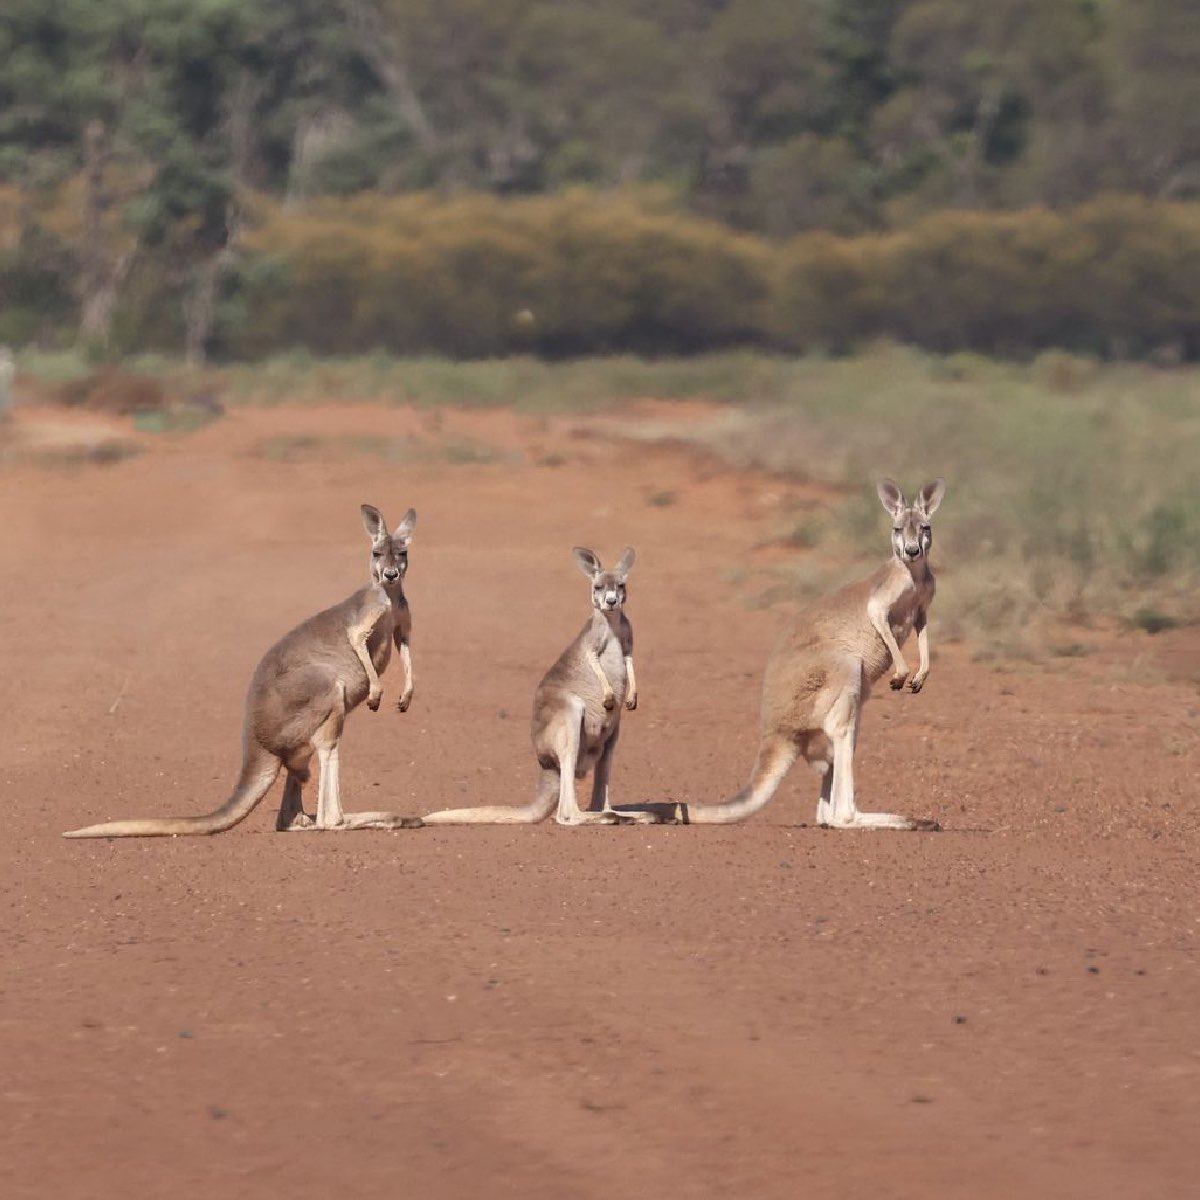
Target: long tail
<point>775,758</point>
<point>538,809</point>
<point>259,769</point>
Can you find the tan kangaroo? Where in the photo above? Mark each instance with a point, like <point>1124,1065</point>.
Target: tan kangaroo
<point>300,695</point>
<point>820,676</point>
<point>577,714</point>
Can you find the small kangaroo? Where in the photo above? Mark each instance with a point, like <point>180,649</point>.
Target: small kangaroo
<point>820,676</point>
<point>577,714</point>
<point>301,692</point>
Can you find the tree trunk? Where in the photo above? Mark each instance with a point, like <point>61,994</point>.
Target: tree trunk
<point>377,45</point>
<point>200,307</point>
<point>103,271</point>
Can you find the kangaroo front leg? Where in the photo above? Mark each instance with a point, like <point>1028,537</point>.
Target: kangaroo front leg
<point>631,687</point>
<point>406,662</point>
<point>359,636</point>
<point>879,619</point>
<point>921,625</point>
<point>593,660</point>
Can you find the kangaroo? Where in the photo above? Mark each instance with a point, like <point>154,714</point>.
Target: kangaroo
<point>577,714</point>
<point>820,676</point>
<point>301,692</point>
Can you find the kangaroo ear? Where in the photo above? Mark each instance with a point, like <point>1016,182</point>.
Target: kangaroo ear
<point>374,523</point>
<point>931,496</point>
<point>624,564</point>
<point>589,564</point>
<point>405,528</point>
<point>890,496</point>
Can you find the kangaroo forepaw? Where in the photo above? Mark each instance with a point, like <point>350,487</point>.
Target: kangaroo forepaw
<point>373,701</point>
<point>610,702</point>
<point>917,683</point>
<point>631,703</point>
<point>403,703</point>
<point>897,680</point>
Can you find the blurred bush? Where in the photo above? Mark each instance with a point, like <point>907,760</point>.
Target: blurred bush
<point>591,272</point>
<point>587,272</point>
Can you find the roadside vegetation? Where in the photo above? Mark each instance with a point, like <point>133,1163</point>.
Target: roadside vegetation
<point>1073,502</point>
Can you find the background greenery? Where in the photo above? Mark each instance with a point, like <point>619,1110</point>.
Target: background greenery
<point>479,177</point>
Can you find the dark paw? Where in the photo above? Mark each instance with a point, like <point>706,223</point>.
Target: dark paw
<point>610,702</point>
<point>897,682</point>
<point>374,702</point>
<point>916,685</point>
<point>403,703</point>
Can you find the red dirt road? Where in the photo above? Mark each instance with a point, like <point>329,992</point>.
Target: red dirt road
<point>767,1010</point>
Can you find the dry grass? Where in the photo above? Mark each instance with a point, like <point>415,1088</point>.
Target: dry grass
<point>1073,491</point>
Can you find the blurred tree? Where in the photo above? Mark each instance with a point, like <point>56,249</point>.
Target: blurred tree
<point>1156,46</point>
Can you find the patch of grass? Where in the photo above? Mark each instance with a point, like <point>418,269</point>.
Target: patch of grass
<point>1073,494</point>
<point>184,418</point>
<point>54,366</point>
<point>522,383</point>
<point>101,454</point>
<point>453,451</point>
<point>805,535</point>
<point>287,447</point>
<point>1151,620</point>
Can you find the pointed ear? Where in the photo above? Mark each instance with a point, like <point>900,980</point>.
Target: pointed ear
<point>931,496</point>
<point>890,496</point>
<point>374,523</point>
<point>589,564</point>
<point>405,528</point>
<point>624,564</point>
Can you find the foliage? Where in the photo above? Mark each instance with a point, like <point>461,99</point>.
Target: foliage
<point>941,166</point>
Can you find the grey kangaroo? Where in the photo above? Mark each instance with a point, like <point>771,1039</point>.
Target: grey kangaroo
<point>300,695</point>
<point>577,714</point>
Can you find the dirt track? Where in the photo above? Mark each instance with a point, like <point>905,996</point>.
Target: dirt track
<point>759,1011</point>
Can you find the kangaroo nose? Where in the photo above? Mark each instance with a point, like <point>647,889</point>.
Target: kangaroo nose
<point>912,551</point>
<point>391,574</point>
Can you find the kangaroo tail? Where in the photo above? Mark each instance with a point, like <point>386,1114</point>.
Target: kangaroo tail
<point>537,810</point>
<point>491,814</point>
<point>775,758</point>
<point>259,769</point>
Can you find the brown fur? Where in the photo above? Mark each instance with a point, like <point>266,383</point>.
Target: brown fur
<point>577,714</point>
<point>300,694</point>
<point>820,675</point>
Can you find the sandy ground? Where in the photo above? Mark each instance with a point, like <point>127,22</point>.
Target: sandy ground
<point>766,1010</point>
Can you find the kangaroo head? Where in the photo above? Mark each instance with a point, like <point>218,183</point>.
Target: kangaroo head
<point>389,551</point>
<point>911,532</point>
<point>608,587</point>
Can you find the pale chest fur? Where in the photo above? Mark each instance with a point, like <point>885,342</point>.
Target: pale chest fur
<point>599,722</point>
<point>902,598</point>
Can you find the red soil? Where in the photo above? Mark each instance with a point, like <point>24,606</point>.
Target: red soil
<point>768,1010</point>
